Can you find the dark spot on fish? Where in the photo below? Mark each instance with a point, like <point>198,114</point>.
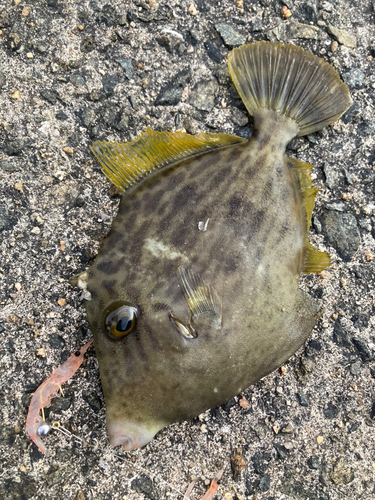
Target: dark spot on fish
<point>123,245</point>
<point>236,204</point>
<point>152,202</point>
<point>117,238</point>
<point>136,251</point>
<point>280,170</point>
<point>184,197</point>
<point>258,217</point>
<point>254,168</point>
<point>135,204</point>
<point>110,267</point>
<point>159,306</point>
<point>141,232</point>
<point>230,265</point>
<point>130,278</point>
<point>286,226</point>
<point>175,180</point>
<point>268,189</point>
<point>163,208</point>
<point>109,285</point>
<point>184,236</point>
<point>220,177</point>
<point>130,204</point>
<point>262,138</point>
<point>137,242</point>
<point>165,223</point>
<point>146,195</point>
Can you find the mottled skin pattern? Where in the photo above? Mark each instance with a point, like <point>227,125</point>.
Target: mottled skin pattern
<point>252,253</point>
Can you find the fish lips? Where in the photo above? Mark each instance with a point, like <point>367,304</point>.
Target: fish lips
<point>131,435</point>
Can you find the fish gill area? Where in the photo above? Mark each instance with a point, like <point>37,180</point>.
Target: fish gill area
<point>74,72</point>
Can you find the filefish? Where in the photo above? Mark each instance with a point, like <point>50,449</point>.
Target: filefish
<point>195,291</point>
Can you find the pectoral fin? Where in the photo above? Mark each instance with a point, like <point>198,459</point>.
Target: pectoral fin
<point>203,301</point>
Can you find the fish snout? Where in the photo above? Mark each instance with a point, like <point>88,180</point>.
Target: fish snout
<point>131,435</point>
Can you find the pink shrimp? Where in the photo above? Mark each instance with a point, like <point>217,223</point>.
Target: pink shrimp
<point>48,390</point>
<point>209,495</point>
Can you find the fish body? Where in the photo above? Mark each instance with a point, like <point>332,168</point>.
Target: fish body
<point>195,290</point>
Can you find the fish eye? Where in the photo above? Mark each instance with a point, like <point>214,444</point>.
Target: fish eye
<point>120,319</point>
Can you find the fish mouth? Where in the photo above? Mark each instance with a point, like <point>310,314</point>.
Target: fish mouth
<point>131,435</point>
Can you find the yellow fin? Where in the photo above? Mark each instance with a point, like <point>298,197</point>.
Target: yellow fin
<point>127,163</point>
<point>315,261</point>
<point>290,81</point>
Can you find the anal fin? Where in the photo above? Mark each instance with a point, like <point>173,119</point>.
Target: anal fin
<point>315,261</point>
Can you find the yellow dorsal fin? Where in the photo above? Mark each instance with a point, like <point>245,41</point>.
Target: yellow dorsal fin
<point>126,164</point>
<point>315,261</point>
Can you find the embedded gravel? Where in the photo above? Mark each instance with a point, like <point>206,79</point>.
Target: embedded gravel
<point>72,72</point>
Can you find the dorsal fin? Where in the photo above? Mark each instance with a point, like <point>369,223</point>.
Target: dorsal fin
<point>315,261</point>
<point>127,163</point>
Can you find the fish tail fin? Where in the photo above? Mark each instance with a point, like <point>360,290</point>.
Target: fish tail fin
<point>289,81</point>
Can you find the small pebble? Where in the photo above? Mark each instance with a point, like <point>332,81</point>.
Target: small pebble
<point>287,429</point>
<point>41,352</point>
<point>302,399</point>
<point>68,151</point>
<point>193,11</point>
<point>285,12</point>
<point>313,462</point>
<point>346,196</point>
<point>238,463</point>
<point>369,256</point>
<point>264,483</point>
<point>16,95</point>
<point>320,439</point>
<point>244,403</point>
<point>334,46</point>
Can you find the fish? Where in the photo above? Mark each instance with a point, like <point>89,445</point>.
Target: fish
<point>194,294</point>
